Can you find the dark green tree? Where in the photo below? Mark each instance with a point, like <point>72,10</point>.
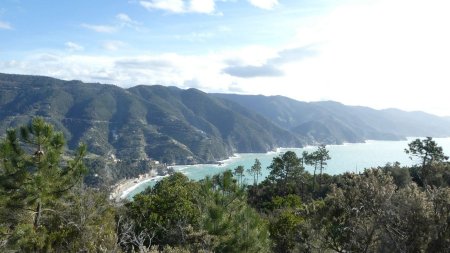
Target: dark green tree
<point>34,178</point>
<point>169,210</point>
<point>428,151</point>
<point>285,223</point>
<point>239,172</point>
<point>87,222</point>
<point>401,175</point>
<point>440,216</point>
<point>255,171</point>
<point>286,172</point>
<point>318,159</point>
<point>304,158</point>
<point>353,216</point>
<point>323,156</point>
<point>207,216</point>
<point>235,226</point>
<point>284,230</point>
<point>311,159</point>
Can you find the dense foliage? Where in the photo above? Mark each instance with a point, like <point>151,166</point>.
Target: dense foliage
<point>209,216</point>
<point>46,208</point>
<point>386,209</point>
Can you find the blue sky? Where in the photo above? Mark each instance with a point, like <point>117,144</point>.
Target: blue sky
<point>377,53</point>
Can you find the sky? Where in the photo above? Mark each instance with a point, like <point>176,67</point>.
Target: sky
<point>376,53</point>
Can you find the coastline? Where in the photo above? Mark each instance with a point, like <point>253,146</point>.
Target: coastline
<point>124,187</point>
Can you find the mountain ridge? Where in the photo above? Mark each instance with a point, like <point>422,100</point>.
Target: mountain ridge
<point>330,122</point>
<point>167,124</point>
<point>188,126</point>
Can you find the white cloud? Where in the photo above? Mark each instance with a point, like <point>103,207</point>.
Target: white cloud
<point>125,21</point>
<point>122,21</point>
<point>72,46</point>
<point>5,25</point>
<point>164,69</point>
<point>181,6</point>
<point>176,6</point>
<point>195,36</point>
<point>391,53</point>
<point>380,53</point>
<point>113,45</point>
<point>124,18</point>
<point>204,35</point>
<point>100,28</point>
<point>202,6</point>
<point>264,4</point>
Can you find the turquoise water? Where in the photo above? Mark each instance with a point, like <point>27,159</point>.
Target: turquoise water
<point>344,158</point>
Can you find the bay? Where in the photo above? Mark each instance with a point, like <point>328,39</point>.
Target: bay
<point>349,157</point>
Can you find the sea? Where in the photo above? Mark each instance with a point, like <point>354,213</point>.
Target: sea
<point>349,157</point>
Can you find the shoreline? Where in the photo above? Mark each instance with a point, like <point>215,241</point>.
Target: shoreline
<point>121,189</point>
<point>125,187</point>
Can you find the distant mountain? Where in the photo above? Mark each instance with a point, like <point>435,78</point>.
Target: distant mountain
<point>172,125</point>
<point>334,123</point>
<point>167,124</point>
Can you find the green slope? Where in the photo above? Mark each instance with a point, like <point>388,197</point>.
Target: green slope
<point>161,123</point>
<point>334,123</point>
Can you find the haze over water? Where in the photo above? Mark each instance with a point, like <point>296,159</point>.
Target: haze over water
<point>344,158</point>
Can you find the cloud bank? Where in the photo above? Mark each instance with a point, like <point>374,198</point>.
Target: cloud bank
<point>264,4</point>
<point>380,53</point>
<point>272,66</point>
<point>180,6</point>
<point>198,6</point>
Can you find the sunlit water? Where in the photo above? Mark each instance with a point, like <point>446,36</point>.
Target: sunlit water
<point>344,158</point>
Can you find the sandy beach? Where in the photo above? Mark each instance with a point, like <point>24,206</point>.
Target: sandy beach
<point>125,186</point>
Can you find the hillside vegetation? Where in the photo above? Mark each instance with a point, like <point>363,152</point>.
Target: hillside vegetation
<point>125,130</point>
<point>331,122</point>
<point>166,124</point>
<point>45,207</point>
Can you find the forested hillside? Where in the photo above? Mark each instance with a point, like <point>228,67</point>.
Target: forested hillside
<point>330,122</point>
<point>45,207</point>
<point>126,129</point>
<point>166,124</point>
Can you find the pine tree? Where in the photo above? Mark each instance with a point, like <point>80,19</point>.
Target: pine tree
<point>255,171</point>
<point>239,172</point>
<point>33,177</point>
<point>429,153</point>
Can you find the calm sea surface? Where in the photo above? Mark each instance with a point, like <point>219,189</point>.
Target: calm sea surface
<point>347,157</point>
